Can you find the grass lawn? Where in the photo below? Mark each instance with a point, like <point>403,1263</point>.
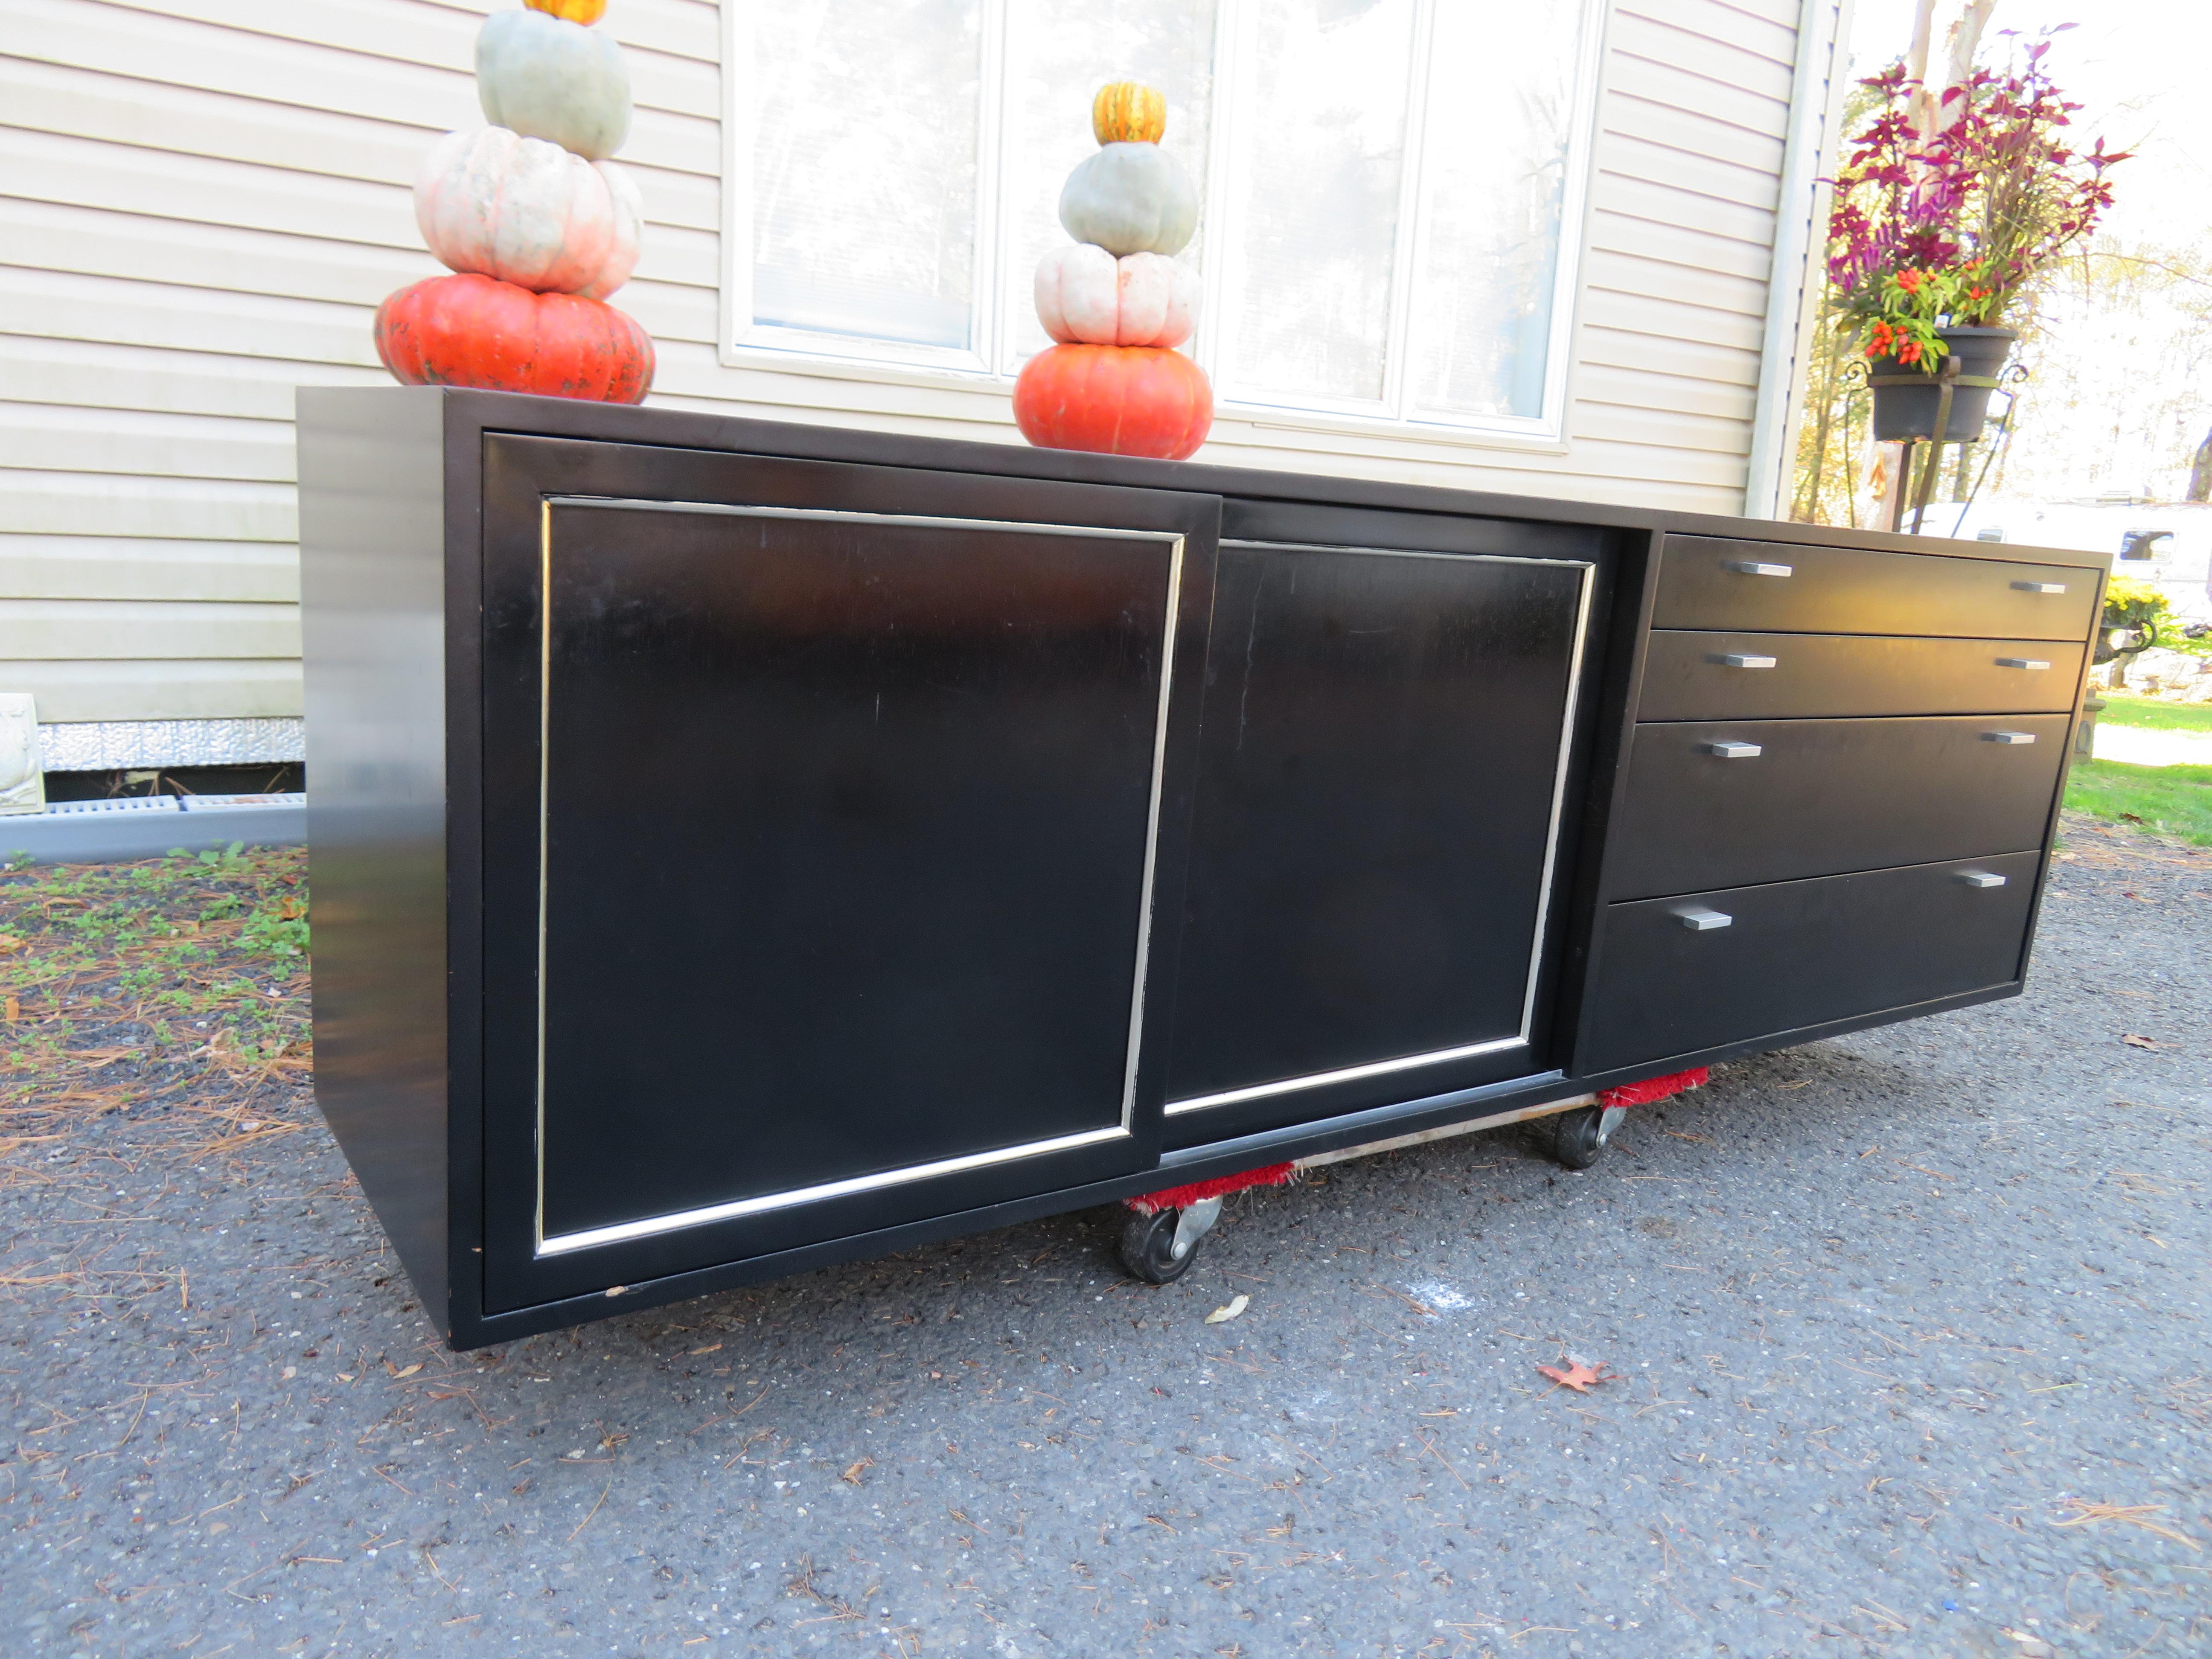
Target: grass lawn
<point>2124,710</point>
<point>2171,800</point>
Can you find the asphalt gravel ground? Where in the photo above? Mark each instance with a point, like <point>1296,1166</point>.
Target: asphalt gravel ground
<point>1907,1336</point>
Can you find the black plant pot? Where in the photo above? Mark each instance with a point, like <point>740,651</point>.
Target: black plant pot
<point>1905,399</point>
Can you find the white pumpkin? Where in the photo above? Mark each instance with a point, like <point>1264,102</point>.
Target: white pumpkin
<point>528,212</point>
<point>1087,296</point>
<point>548,78</point>
<point>1130,198</point>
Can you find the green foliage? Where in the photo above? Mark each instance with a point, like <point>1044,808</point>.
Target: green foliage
<point>2169,800</point>
<point>2142,609</point>
<point>274,932</point>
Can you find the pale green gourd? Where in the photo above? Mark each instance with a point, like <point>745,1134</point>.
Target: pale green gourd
<point>1130,198</point>
<point>546,78</point>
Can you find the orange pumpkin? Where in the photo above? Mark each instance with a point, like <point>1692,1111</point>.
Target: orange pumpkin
<point>1125,112</point>
<point>470,329</point>
<point>570,11</point>
<point>1114,400</point>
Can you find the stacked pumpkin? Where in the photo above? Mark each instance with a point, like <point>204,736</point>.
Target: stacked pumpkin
<point>537,225</point>
<point>1118,301</point>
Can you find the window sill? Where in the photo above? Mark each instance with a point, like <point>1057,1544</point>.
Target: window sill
<point>1277,423</point>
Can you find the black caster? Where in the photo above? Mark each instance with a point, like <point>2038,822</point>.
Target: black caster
<point>1159,1248</point>
<point>1577,1137</point>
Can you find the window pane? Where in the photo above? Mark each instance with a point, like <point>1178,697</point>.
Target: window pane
<point>1492,184</point>
<point>865,166</point>
<point>1315,207</point>
<point>1059,54</point>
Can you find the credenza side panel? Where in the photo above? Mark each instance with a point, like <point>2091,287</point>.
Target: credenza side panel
<point>373,581</point>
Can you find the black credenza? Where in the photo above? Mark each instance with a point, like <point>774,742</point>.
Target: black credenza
<point>739,847</point>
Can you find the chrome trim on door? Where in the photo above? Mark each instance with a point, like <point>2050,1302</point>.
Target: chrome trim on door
<point>1344,1073</point>
<point>648,1226</point>
<point>1520,1039</point>
<point>561,1243</point>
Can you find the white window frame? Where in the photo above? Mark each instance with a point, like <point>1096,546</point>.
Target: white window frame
<point>742,344</point>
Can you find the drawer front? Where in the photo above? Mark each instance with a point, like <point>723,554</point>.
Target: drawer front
<point>1726,803</point>
<point>1712,676</point>
<point>1677,975</point>
<point>1707,581</point>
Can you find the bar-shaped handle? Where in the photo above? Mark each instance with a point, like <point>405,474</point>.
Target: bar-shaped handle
<point>1728,750</point>
<point>1981,878</point>
<point>1747,660</point>
<point>2028,663</point>
<point>1755,568</point>
<point>2040,588</point>
<point>2008,737</point>
<point>1698,920</point>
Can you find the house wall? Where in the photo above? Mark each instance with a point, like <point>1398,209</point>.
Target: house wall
<point>203,201</point>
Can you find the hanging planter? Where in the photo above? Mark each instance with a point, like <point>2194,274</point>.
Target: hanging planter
<point>1905,399</point>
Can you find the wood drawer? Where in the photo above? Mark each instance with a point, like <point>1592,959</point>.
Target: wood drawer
<point>1726,803</point>
<point>1775,959</point>
<point>1691,677</point>
<point>1708,582</point>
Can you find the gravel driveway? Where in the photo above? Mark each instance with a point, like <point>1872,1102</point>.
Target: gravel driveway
<point>1910,1334</point>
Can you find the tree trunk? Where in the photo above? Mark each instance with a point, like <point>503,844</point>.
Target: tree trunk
<point>1931,113</point>
<point>1881,481</point>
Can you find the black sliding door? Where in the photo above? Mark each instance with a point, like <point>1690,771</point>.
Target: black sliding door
<point>830,808</point>
<point>1385,742</point>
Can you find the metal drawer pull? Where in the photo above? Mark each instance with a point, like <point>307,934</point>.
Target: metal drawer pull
<point>1698,920</point>
<point>2008,737</point>
<point>1737,751</point>
<point>1754,568</point>
<point>1741,659</point>
<point>2021,662</point>
<point>2040,588</point>
<point>1980,878</point>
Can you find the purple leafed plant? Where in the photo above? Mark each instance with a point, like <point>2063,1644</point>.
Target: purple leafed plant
<point>1951,220</point>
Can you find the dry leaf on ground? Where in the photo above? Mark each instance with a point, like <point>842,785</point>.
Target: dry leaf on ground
<point>1580,1376</point>
<point>2138,1042</point>
<point>1237,1304</point>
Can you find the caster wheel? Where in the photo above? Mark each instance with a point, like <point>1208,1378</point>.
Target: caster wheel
<point>1577,1137</point>
<point>1148,1248</point>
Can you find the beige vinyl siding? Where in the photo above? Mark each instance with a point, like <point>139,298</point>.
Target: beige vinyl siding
<point>202,202</point>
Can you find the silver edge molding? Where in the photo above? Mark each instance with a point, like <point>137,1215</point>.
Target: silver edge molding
<point>1317,1079</point>
<point>1408,553</point>
<point>1151,837</point>
<point>832,516</point>
<point>545,834</point>
<point>1559,797</point>
<point>1378,1068</point>
<point>561,1243</point>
